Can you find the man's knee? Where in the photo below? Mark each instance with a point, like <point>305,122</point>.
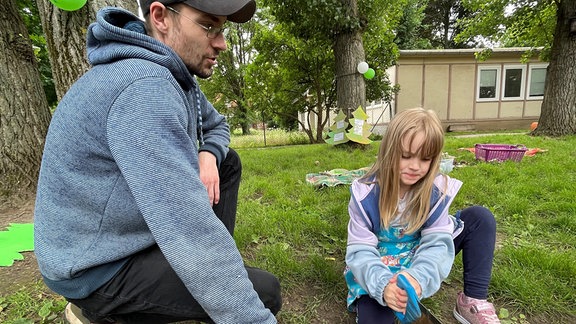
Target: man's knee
<point>232,160</point>
<point>268,288</point>
<point>230,170</point>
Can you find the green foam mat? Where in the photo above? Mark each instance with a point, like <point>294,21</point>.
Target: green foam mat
<point>15,239</point>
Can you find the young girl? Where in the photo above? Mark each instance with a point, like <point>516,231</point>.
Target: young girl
<point>399,222</point>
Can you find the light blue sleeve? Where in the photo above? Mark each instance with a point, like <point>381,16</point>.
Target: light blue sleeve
<point>362,257</point>
<point>432,262</point>
<point>368,269</point>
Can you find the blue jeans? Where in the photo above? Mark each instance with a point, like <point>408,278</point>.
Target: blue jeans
<point>147,290</point>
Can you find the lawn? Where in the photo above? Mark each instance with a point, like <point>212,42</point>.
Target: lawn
<point>298,232</point>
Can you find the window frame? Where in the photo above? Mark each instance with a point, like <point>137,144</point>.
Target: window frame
<point>498,69</point>
<point>529,82</point>
<point>523,78</point>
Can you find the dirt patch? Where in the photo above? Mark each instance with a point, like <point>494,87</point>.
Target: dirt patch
<point>19,209</point>
<point>21,274</point>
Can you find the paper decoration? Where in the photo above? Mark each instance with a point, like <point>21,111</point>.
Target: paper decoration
<point>337,134</point>
<point>360,130</point>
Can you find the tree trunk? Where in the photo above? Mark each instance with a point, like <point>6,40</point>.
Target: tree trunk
<point>66,38</point>
<point>245,120</point>
<point>558,113</point>
<point>24,112</point>
<point>348,52</point>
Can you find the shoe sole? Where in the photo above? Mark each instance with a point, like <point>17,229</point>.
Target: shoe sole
<point>70,314</point>
<point>459,317</point>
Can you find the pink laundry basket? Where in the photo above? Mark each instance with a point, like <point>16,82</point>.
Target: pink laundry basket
<point>499,152</point>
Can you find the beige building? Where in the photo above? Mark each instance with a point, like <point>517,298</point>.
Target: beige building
<point>501,92</point>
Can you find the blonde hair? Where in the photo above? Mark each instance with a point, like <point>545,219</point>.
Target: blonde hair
<point>406,125</point>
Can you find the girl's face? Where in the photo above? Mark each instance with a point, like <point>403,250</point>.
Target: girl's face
<point>413,167</point>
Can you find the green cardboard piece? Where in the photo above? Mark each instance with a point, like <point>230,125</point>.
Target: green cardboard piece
<point>17,238</point>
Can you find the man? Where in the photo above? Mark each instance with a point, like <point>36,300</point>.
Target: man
<point>137,192</point>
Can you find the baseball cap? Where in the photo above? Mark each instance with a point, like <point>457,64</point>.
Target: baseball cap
<point>238,11</point>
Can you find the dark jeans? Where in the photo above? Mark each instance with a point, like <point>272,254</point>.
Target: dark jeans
<point>476,242</point>
<point>147,290</point>
<point>369,311</point>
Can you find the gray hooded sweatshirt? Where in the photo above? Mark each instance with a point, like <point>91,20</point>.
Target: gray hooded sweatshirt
<point>120,173</point>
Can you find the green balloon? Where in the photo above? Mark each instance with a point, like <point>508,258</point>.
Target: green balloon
<point>370,73</point>
<point>69,5</point>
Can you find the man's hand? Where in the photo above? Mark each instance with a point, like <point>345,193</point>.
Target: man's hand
<point>209,176</point>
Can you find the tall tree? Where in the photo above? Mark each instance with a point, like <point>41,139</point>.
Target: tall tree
<point>536,23</point>
<point>345,26</point>
<point>440,24</point>
<point>24,113</point>
<point>408,35</point>
<point>348,52</point>
<point>29,12</point>
<point>292,76</point>
<point>66,37</point>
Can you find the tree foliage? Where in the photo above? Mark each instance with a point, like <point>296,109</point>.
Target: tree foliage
<point>319,44</point>
<point>536,23</point>
<point>511,23</point>
<point>441,24</point>
<point>31,17</point>
<point>227,86</point>
<point>292,75</point>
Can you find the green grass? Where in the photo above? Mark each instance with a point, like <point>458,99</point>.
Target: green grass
<point>299,233</point>
<point>33,304</point>
<point>267,137</point>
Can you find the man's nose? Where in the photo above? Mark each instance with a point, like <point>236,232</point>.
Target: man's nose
<point>219,42</point>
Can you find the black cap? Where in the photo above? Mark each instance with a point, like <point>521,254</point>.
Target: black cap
<point>238,11</point>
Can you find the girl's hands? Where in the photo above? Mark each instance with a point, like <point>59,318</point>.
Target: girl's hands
<point>413,282</point>
<point>394,296</point>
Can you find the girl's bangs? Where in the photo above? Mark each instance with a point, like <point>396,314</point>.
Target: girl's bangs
<point>432,144</point>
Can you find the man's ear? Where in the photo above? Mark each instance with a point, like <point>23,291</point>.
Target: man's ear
<point>158,17</point>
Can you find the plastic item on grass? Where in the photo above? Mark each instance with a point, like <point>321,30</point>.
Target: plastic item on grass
<point>412,308</point>
<point>446,164</point>
<point>499,152</point>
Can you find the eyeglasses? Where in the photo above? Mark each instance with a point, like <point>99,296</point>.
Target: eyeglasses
<point>211,31</point>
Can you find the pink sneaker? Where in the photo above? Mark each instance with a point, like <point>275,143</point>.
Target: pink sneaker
<point>474,311</point>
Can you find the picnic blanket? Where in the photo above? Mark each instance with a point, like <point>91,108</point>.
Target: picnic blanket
<point>335,177</point>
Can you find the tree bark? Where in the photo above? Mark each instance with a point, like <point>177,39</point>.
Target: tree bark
<point>24,112</point>
<point>558,110</point>
<point>66,38</point>
<point>348,52</point>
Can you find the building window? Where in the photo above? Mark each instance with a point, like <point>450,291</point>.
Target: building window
<point>513,83</point>
<point>488,80</point>
<point>536,80</point>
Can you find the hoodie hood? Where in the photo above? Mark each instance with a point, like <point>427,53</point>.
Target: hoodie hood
<point>118,34</point>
